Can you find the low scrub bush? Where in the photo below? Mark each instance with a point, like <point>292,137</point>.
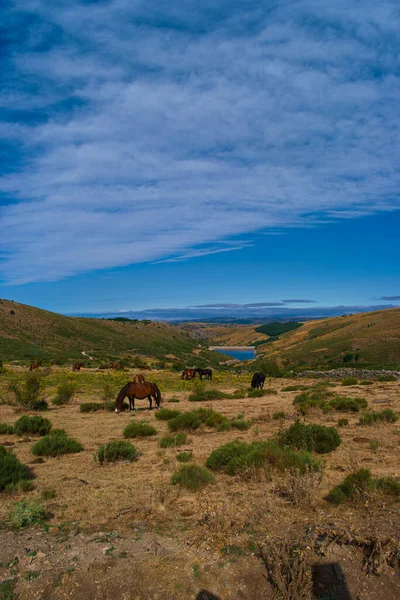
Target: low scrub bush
<point>134,430</point>
<point>56,443</point>
<point>184,457</point>
<point>26,514</point>
<point>6,429</point>
<point>65,393</point>
<point>353,484</point>
<point>173,399</point>
<point>374,445</point>
<point>193,420</point>
<point>115,451</point>
<point>165,414</point>
<point>317,438</point>
<point>294,388</point>
<point>27,394</point>
<point>343,404</point>
<point>87,407</point>
<point>384,416</point>
<point>311,400</point>
<point>388,486</point>
<point>366,382</point>
<point>192,477</point>
<point>349,381</point>
<point>32,426</point>
<point>279,416</point>
<point>256,393</point>
<point>386,378</point>
<point>237,457</point>
<point>204,395</point>
<point>343,422</point>
<point>300,488</point>
<point>12,471</point>
<point>173,441</point>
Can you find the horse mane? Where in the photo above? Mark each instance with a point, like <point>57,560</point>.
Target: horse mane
<point>121,396</point>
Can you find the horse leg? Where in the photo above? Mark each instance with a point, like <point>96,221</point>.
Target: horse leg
<point>150,400</point>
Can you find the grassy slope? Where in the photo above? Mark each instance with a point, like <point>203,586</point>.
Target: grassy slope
<point>63,338</point>
<point>375,336</point>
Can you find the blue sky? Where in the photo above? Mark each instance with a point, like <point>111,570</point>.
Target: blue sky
<point>158,156</point>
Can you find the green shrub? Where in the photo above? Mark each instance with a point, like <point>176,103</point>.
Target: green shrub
<point>353,484</point>
<point>366,382</point>
<point>240,424</point>
<point>107,389</point>
<point>256,393</point>
<point>56,443</point>
<point>165,414</point>
<point>343,404</point>
<point>317,438</point>
<point>193,420</point>
<point>32,425</point>
<point>384,416</point>
<point>184,456</point>
<point>65,392</point>
<point>173,441</point>
<point>12,471</point>
<point>389,486</point>
<point>350,381</point>
<point>27,394</point>
<point>279,416</point>
<point>91,407</point>
<point>116,450</point>
<point>173,399</point>
<point>312,399</point>
<point>343,422</point>
<point>134,430</point>
<point>6,429</point>
<point>25,485</point>
<point>204,395</point>
<point>294,388</point>
<point>192,477</point>
<point>27,513</point>
<point>237,457</point>
<point>48,494</point>
<point>386,378</point>
<point>374,445</point>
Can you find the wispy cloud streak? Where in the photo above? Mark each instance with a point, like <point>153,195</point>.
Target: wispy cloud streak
<point>137,132</point>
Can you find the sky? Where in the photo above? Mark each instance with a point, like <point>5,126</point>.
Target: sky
<point>200,156</point>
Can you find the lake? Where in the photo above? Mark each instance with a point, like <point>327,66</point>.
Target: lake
<point>239,353</point>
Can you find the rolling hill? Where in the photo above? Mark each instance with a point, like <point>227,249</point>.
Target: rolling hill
<point>63,339</point>
<point>362,340</point>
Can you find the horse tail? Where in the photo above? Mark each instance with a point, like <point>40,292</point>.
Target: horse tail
<point>158,394</point>
<point>120,398</point>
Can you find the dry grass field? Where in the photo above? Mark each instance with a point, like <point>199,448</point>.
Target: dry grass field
<point>122,530</point>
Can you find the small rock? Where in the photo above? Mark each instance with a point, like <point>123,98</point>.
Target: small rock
<point>361,440</point>
<point>82,482</point>
<point>37,461</point>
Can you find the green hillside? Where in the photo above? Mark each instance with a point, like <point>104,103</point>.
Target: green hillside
<point>359,340</point>
<point>63,339</point>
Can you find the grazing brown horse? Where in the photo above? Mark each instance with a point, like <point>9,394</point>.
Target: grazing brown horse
<point>188,374</point>
<point>78,366</point>
<point>35,366</point>
<point>207,373</point>
<point>139,391</point>
<point>140,378</point>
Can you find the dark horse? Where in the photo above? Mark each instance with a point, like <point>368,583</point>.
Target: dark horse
<point>35,366</point>
<point>189,374</point>
<point>207,373</point>
<point>257,381</point>
<point>78,366</point>
<point>139,391</point>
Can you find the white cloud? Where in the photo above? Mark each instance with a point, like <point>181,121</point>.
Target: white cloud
<point>184,142</point>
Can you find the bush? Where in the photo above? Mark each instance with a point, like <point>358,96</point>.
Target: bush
<point>236,457</point>
<point>386,378</point>
<point>353,484</point>
<point>189,421</point>
<point>27,394</point>
<point>56,443</point>
<point>366,382</point>
<point>312,399</point>
<point>343,422</point>
<point>350,381</point>
<point>91,407</point>
<point>116,450</point>
<point>192,477</point>
<point>6,429</point>
<point>256,393</point>
<point>384,416</point>
<point>294,388</point>
<point>184,456</point>
<point>173,399</point>
<point>310,438</point>
<point>388,486</point>
<point>133,430</point>
<point>32,425</point>
<point>27,513</point>
<point>343,404</point>
<point>12,471</point>
<point>279,416</point>
<point>202,395</point>
<point>107,389</point>
<point>165,414</point>
<point>65,393</point>
<point>173,441</point>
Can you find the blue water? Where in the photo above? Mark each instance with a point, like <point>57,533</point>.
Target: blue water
<point>239,354</point>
